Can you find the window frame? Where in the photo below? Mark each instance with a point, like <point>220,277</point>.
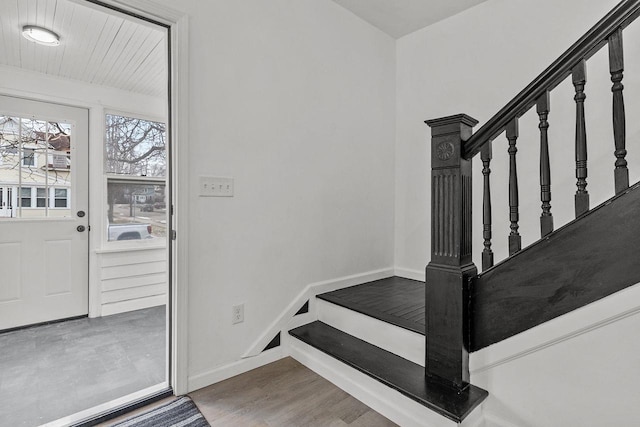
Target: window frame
<point>111,178</point>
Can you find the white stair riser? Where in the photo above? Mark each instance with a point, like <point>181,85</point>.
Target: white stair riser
<point>399,341</point>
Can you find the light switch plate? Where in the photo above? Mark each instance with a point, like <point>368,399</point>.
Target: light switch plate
<point>215,186</point>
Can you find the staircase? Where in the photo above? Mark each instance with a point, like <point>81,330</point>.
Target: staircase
<point>377,329</point>
<point>410,342</point>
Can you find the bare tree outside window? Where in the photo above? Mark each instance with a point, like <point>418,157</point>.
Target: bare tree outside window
<point>135,147</point>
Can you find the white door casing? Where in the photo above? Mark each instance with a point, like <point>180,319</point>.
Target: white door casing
<point>44,260</point>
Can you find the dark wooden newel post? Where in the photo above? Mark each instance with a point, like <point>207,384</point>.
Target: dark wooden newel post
<point>448,273</point>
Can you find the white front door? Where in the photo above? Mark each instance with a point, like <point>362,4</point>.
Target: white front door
<point>44,237</point>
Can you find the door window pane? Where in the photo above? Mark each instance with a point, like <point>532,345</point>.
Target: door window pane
<point>35,154</point>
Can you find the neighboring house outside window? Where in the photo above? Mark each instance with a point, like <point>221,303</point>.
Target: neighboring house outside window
<point>29,157</point>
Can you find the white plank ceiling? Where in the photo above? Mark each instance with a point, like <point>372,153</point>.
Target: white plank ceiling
<point>96,46</point>
<point>108,49</point>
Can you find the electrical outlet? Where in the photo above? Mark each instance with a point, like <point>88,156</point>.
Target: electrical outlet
<point>215,186</point>
<point>237,314</point>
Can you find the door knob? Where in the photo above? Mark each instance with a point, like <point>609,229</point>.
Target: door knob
<point>80,228</point>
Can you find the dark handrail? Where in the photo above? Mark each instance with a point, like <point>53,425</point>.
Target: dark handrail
<point>621,16</point>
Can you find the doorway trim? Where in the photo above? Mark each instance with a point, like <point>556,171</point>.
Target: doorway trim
<point>178,179</point>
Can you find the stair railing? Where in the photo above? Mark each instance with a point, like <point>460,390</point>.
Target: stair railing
<point>453,146</point>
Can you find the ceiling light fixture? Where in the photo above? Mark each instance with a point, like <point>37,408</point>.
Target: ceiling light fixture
<point>40,35</point>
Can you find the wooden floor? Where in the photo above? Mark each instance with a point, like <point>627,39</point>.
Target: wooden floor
<point>394,300</point>
<point>281,394</point>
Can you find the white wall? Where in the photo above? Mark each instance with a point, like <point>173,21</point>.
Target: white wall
<point>474,63</point>
<point>578,370</point>
<point>295,99</point>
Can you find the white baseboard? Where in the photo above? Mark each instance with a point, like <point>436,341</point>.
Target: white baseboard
<point>308,294</point>
<point>384,400</point>
<point>408,273</point>
<point>222,373</point>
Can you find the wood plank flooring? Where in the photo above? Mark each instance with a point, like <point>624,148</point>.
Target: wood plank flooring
<point>283,394</point>
<point>395,300</point>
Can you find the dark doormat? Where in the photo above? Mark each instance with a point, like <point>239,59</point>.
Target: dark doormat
<point>182,412</point>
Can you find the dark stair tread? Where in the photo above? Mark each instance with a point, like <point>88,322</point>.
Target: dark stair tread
<point>400,374</point>
<point>386,300</point>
